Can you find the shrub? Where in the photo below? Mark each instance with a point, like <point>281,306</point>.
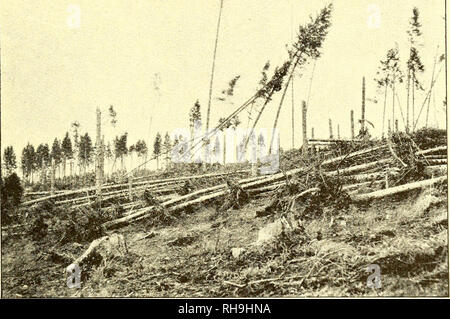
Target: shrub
<point>11,194</point>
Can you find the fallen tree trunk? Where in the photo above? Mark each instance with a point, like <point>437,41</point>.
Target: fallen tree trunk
<point>398,189</point>
<point>441,156</point>
<point>100,249</point>
<point>369,176</point>
<point>92,248</point>
<point>217,191</point>
<point>121,193</point>
<point>125,185</point>
<point>266,188</point>
<point>249,183</point>
<point>394,155</point>
<point>432,150</point>
<point>354,154</point>
<point>436,161</point>
<point>352,187</point>
<point>358,168</point>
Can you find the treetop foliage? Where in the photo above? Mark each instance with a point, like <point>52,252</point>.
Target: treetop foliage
<point>56,151</point>
<point>414,26</point>
<point>43,157</point>
<point>66,147</point>
<point>140,148</point>
<point>28,161</point>
<point>120,145</point>
<point>9,160</point>
<point>157,145</point>
<point>389,70</point>
<point>311,36</point>
<point>85,149</point>
<point>112,115</point>
<point>195,114</point>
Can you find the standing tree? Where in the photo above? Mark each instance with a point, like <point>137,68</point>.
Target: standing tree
<point>389,74</point>
<point>175,141</point>
<point>224,125</point>
<point>157,148</point>
<point>141,150</point>
<point>195,118</point>
<point>414,64</point>
<point>85,151</point>
<point>261,146</point>
<point>57,155</point>
<point>166,147</point>
<point>108,154</point>
<point>195,122</point>
<point>112,115</point>
<point>212,70</point>
<point>9,160</point>
<point>28,162</point>
<point>120,148</point>
<point>67,152</point>
<point>76,144</point>
<point>42,159</point>
<point>382,81</point>
<point>226,97</point>
<point>131,150</point>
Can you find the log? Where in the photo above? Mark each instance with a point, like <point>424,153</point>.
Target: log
<point>442,156</point>
<point>221,190</point>
<point>370,176</point>
<point>155,188</point>
<point>352,187</point>
<point>436,161</point>
<point>125,185</point>
<point>306,192</point>
<point>43,193</point>
<point>92,247</point>
<point>398,189</point>
<point>266,188</point>
<point>358,168</point>
<point>332,141</point>
<point>354,154</point>
<point>432,150</point>
<point>393,153</point>
<point>217,191</point>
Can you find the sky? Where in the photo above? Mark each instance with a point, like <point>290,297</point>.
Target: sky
<point>57,69</point>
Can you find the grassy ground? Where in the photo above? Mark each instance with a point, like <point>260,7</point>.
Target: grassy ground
<point>325,256</point>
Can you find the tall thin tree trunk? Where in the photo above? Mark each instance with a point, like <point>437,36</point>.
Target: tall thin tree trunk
<point>291,75</point>
<point>407,101</point>
<point>432,77</point>
<point>384,109</point>
<point>256,121</point>
<point>393,100</point>
<point>278,115</point>
<point>292,115</point>
<point>64,167</point>
<point>224,147</point>
<point>413,85</point>
<point>145,162</point>
<point>213,67</point>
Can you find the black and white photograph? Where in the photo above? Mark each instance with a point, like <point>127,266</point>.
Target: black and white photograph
<point>263,149</point>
